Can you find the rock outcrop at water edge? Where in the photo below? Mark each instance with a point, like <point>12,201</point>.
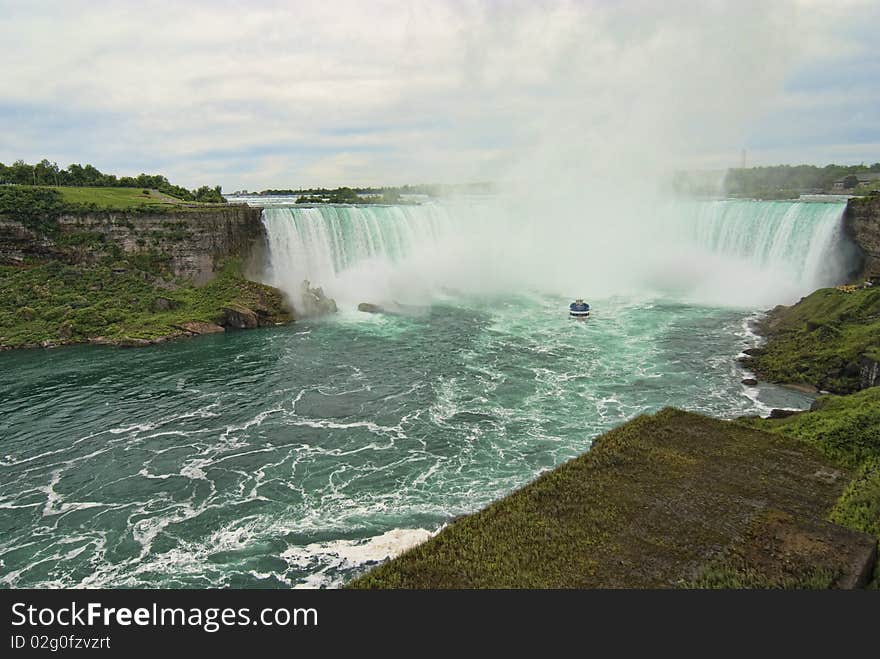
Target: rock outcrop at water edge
<point>313,301</point>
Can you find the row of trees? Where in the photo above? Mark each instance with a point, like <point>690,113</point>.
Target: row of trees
<point>434,190</point>
<point>790,177</point>
<point>49,173</point>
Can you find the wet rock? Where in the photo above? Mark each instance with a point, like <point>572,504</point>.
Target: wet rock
<point>869,372</point>
<point>314,302</point>
<point>753,352</point>
<point>239,318</point>
<point>861,223</point>
<point>750,382</point>
<point>777,413</point>
<point>133,343</point>
<point>366,307</point>
<point>852,369</point>
<point>198,327</point>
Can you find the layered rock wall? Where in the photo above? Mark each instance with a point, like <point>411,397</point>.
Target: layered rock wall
<point>195,239</point>
<point>862,224</point>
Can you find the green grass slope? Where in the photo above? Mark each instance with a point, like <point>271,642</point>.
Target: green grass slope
<point>115,198</point>
<point>670,500</point>
<point>121,300</point>
<point>847,430</point>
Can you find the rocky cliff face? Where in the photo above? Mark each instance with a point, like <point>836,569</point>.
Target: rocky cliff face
<point>134,278</point>
<point>862,224</point>
<point>195,239</point>
<point>869,372</point>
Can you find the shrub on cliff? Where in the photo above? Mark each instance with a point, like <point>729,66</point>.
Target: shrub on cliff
<point>36,208</point>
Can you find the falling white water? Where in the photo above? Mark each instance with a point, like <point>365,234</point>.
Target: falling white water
<point>350,251</point>
<point>728,253</point>
<point>800,237</point>
<point>747,253</point>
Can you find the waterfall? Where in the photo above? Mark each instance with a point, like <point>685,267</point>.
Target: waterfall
<point>731,252</point>
<point>347,249</point>
<point>801,239</point>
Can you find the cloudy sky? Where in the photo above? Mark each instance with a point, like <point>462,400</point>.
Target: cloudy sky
<point>264,94</point>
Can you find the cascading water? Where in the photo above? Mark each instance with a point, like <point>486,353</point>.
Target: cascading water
<point>346,248</point>
<point>727,253</point>
<point>793,247</point>
<point>801,236</point>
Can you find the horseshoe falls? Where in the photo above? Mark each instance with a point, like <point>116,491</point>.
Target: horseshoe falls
<point>726,253</point>
<point>298,456</point>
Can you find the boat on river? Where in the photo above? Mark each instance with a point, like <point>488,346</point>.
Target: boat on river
<point>579,309</point>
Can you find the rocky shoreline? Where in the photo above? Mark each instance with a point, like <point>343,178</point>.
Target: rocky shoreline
<point>235,319</point>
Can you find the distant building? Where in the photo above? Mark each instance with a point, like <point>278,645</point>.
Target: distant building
<point>852,180</point>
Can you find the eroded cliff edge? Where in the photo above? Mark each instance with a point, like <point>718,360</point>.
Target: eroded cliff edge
<point>133,277</point>
<point>861,222</point>
<point>194,240</point>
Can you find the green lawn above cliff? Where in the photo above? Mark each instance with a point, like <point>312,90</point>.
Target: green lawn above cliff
<point>670,500</point>
<point>116,198</point>
<point>39,207</point>
<point>821,339</point>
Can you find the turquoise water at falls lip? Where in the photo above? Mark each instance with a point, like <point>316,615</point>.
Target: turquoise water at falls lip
<point>299,455</point>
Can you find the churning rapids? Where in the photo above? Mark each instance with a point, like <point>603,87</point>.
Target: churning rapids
<point>299,455</point>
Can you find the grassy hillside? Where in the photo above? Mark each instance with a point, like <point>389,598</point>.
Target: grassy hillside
<point>122,267</point>
<point>121,300</point>
<point>820,340</point>
<point>115,198</point>
<point>671,500</point>
<point>39,208</point>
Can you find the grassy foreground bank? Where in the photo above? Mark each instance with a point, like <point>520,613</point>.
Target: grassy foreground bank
<point>669,500</point>
<point>846,429</point>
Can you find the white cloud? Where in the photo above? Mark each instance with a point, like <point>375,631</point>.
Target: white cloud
<point>271,94</point>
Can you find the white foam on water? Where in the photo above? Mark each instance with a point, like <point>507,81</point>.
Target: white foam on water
<point>348,554</point>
